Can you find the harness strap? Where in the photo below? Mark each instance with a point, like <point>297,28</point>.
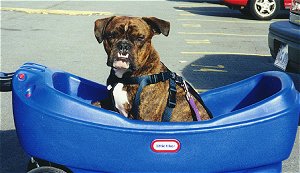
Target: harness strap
<point>193,92</point>
<point>171,101</point>
<point>137,100</point>
<point>174,79</point>
<point>152,79</point>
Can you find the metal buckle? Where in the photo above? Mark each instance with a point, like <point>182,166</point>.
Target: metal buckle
<point>179,80</point>
<point>173,75</point>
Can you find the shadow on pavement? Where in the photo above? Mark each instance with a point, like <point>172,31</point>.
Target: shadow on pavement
<point>212,71</point>
<point>13,158</point>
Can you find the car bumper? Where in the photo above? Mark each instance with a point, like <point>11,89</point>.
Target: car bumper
<point>284,32</point>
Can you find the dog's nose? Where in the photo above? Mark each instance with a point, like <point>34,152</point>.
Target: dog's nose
<point>123,46</point>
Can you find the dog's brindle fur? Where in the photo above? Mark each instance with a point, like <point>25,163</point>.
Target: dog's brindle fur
<point>136,34</point>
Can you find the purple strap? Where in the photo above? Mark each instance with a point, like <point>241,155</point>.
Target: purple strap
<point>191,101</point>
<point>194,107</point>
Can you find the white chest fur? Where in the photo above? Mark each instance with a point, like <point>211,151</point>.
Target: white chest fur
<point>120,97</point>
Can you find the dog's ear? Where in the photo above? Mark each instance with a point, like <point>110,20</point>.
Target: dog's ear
<point>158,25</point>
<point>100,26</point>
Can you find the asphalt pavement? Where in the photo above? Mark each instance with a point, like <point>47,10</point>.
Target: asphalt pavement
<point>209,45</point>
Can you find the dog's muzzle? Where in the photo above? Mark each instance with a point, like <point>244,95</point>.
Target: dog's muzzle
<point>124,47</point>
<point>122,59</point>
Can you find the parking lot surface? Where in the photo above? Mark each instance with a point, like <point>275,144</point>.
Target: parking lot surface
<point>209,45</point>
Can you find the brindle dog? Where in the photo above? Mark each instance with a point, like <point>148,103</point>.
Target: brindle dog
<point>127,42</point>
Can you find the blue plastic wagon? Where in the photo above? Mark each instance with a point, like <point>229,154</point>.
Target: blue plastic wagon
<point>253,127</point>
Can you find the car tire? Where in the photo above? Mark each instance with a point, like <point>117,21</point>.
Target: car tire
<point>245,11</point>
<point>264,9</point>
<point>36,165</point>
<point>46,169</point>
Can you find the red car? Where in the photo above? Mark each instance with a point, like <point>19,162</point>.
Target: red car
<point>259,9</point>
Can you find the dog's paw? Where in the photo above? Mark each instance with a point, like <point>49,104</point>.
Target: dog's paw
<point>97,103</point>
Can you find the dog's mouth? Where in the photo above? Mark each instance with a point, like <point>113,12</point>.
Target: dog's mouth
<point>121,61</point>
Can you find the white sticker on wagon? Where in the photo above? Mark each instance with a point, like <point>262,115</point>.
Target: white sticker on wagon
<point>165,145</point>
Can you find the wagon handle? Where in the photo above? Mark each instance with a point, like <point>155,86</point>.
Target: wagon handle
<point>6,81</point>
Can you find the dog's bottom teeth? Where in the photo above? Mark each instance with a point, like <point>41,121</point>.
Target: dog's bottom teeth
<point>123,56</point>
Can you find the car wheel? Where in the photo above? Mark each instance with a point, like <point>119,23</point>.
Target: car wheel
<point>264,9</point>
<point>46,169</point>
<point>35,165</point>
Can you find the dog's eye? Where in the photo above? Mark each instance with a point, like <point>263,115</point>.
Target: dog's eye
<point>110,35</point>
<point>140,38</point>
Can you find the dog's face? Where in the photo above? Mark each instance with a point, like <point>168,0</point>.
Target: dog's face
<point>127,40</point>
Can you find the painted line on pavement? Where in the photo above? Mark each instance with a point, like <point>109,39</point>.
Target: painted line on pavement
<point>56,12</point>
<point>189,41</point>
<point>224,53</point>
<point>221,34</point>
<point>211,70</point>
<point>190,25</point>
<point>201,90</point>
<point>204,68</point>
<point>208,66</point>
<point>226,21</point>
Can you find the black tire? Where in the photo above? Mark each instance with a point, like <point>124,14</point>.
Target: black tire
<point>264,9</point>
<point>46,169</point>
<point>245,11</point>
<point>36,163</point>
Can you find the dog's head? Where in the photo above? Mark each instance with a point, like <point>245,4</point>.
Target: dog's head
<point>127,40</point>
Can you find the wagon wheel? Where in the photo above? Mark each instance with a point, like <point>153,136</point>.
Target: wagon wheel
<point>264,9</point>
<point>37,165</point>
<point>46,169</point>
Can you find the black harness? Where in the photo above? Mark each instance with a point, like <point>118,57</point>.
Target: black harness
<point>143,81</point>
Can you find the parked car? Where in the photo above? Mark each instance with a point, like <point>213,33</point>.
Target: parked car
<point>284,40</point>
<point>259,9</point>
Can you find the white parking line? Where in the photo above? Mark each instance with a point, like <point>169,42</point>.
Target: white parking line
<point>201,90</point>
<point>204,68</point>
<point>189,41</point>
<point>190,25</point>
<point>210,70</point>
<point>221,34</point>
<point>226,21</point>
<point>224,53</point>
